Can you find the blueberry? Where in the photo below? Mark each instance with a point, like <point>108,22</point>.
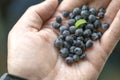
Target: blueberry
<point>78,51</point>
<point>91,18</point>
<point>80,38</point>
<point>84,7</point>
<point>69,39</point>
<point>83,56</point>
<point>76,11</point>
<point>64,52</point>
<point>89,43</point>
<point>71,55</point>
<point>71,22</point>
<point>94,36</point>
<point>99,34</point>
<point>93,11</point>
<point>66,44</point>
<point>72,29</point>
<point>102,10</point>
<point>58,19</point>
<point>76,58</point>
<point>56,25</point>
<point>78,17</point>
<point>101,15</point>
<point>87,33</point>
<point>66,33</point>
<point>71,15</point>
<point>63,28</point>
<point>97,24</point>
<point>105,26</point>
<point>61,37</point>
<point>89,26</point>
<point>85,14</point>
<point>82,45</point>
<point>79,32</point>
<point>74,42</point>
<point>58,43</point>
<point>86,39</point>
<point>78,43</point>
<point>69,60</point>
<point>65,13</point>
<point>72,49</point>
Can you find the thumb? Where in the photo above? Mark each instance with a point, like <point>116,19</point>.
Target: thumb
<point>36,15</point>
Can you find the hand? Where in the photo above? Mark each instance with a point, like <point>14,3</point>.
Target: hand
<point>31,51</point>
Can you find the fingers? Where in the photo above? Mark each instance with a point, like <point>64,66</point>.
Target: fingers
<point>112,10</point>
<point>100,3</point>
<point>112,35</point>
<point>37,14</point>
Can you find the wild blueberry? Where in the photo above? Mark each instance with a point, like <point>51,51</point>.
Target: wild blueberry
<point>61,37</point>
<point>64,52</point>
<point>72,29</point>
<point>94,36</point>
<point>79,32</point>
<point>76,58</point>
<point>65,13</point>
<point>87,33</point>
<point>97,24</point>
<point>58,19</point>
<point>74,42</point>
<point>89,43</point>
<point>101,15</point>
<point>78,51</point>
<point>66,44</point>
<point>56,25</point>
<point>76,11</point>
<point>80,38</point>
<point>72,49</point>
<point>85,14</point>
<point>99,34</point>
<point>71,55</point>
<point>65,33</point>
<point>78,17</point>
<point>69,60</point>
<point>89,26</point>
<point>105,26</point>
<point>83,56</point>
<point>71,22</point>
<point>93,11</point>
<point>69,39</point>
<point>78,43</point>
<point>84,7</point>
<point>58,43</point>
<point>91,18</point>
<point>63,28</point>
<point>71,15</point>
<point>102,10</point>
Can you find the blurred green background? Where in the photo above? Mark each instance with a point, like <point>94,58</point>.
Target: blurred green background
<point>11,11</point>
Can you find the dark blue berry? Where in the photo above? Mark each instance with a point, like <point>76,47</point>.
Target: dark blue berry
<point>64,52</point>
<point>71,15</point>
<point>76,58</point>
<point>84,7</point>
<point>71,22</point>
<point>102,10</point>
<point>69,39</point>
<point>76,11</point>
<point>66,44</point>
<point>79,32</point>
<point>78,51</point>
<point>105,26</point>
<point>58,19</point>
<point>93,11</point>
<point>69,60</point>
<point>85,14</point>
<point>65,13</point>
<point>78,17</point>
<point>101,15</point>
<point>63,28</point>
<point>89,26</point>
<point>72,29</point>
<point>56,25</point>
<point>80,38</point>
<point>66,33</point>
<point>91,18</point>
<point>87,33</point>
<point>83,56</point>
<point>97,24</point>
<point>94,36</point>
<point>99,34</point>
<point>72,49</point>
<point>89,43</point>
<point>58,43</point>
<point>61,37</point>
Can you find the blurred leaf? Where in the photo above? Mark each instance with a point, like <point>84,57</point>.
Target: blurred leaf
<point>80,22</point>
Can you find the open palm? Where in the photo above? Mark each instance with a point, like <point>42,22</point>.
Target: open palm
<point>31,51</point>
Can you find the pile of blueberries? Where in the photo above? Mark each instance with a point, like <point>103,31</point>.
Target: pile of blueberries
<point>72,42</point>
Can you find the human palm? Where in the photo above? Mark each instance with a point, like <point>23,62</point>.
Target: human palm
<point>31,51</point>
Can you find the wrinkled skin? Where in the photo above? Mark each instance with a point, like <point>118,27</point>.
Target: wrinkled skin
<point>31,51</point>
